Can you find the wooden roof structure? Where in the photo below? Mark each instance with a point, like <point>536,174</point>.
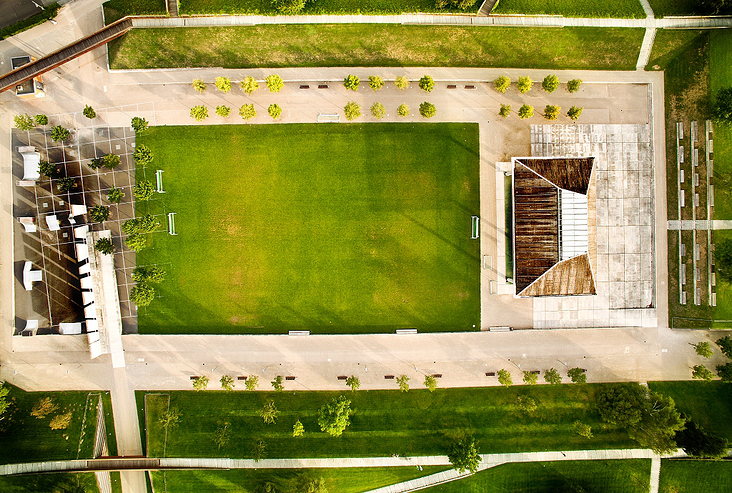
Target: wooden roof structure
<point>537,186</point>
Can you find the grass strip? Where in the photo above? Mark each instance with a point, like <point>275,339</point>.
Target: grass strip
<point>625,9</point>
<point>370,45</point>
<point>666,8</point>
<point>370,7</point>
<point>116,9</point>
<point>695,476</point>
<point>36,483</point>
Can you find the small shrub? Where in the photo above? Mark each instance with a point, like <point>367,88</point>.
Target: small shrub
<point>247,112</point>
<point>427,110</point>
<point>527,405</point>
<point>111,161</point>
<point>703,349</point>
<point>138,124</point>
<point>199,85</point>
<point>351,82</point>
<point>376,82</point>
<point>354,382</point>
<point>298,429</point>
<point>530,378</point>
<point>701,372</point>
<point>725,372</point>
<point>143,190</point>
<point>96,162</point>
<point>170,418</point>
<point>60,421</point>
<point>550,83</point>
<point>274,83</point>
<point>89,112</point>
<point>504,377</point>
<point>142,155</point>
<point>142,294</point>
<point>505,110</point>
<point>574,85</point>
<point>524,84</point>
<point>24,122</point>
<point>277,384</point>
<point>289,7</point>
<point>50,170</point>
<point>200,383</point>
<point>115,195</point>
<point>274,111</point>
<point>574,113</point>
<point>378,110</point>
<point>152,274</point>
<point>43,407</point>
<point>401,82</point>
<point>430,382</point>
<point>99,213</point>
<point>583,430</point>
<point>66,184</point>
<point>104,246</point>
<point>725,345</point>
<point>223,84</point>
<point>577,375</point>
<point>426,83</point>
<point>223,111</point>
<point>269,413</point>
<point>526,111</point>
<point>352,111</point>
<point>227,383</point>
<point>136,242</point>
<point>502,84</point>
<point>222,435</point>
<point>41,119</point>
<point>249,85</point>
<point>552,376</point>
<point>252,382</point>
<point>199,113</point>
<point>403,110</point>
<point>59,133</point>
<point>551,112</point>
<point>403,382</point>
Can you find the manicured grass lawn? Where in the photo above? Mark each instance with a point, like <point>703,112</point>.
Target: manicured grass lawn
<point>606,476</point>
<point>720,65</point>
<point>351,480</point>
<point>26,438</point>
<point>572,8</point>
<point>390,422</point>
<point>193,7</point>
<point>671,44</point>
<point>116,9</point>
<point>695,476</point>
<point>707,403</point>
<point>329,228</point>
<point>61,483</point>
<point>664,8</point>
<point>371,45</point>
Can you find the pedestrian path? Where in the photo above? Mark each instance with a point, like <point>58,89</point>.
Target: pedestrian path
<point>699,224</point>
<point>655,473</point>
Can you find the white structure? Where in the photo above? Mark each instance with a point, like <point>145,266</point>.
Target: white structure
<point>30,276</point>
<point>31,163</point>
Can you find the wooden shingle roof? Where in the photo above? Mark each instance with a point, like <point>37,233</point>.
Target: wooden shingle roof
<point>571,174</point>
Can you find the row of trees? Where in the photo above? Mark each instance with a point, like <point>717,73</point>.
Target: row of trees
<point>246,111</point>
<point>525,83</point>
<point>551,112</point>
<point>249,84</point>
<point>352,110</point>
<point>352,82</point>
<point>551,376</point>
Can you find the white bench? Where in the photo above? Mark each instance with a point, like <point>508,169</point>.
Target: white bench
<point>31,163</point>
<point>475,222</point>
<point>171,224</point>
<point>322,117</point>
<point>159,180</point>
<point>30,276</point>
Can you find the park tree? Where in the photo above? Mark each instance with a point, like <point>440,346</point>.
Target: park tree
<point>247,112</point>
<point>583,429</point>
<point>142,294</point>
<point>274,83</point>
<point>223,84</point>
<point>504,377</point>
<point>227,383</point>
<point>526,404</point>
<point>222,435</point>
<point>259,451</point>
<point>289,7</point>
<point>352,110</point>
<point>701,372</point>
<point>464,456</point>
<point>199,112</point>
<point>111,161</point>
<point>96,162</point>
<point>700,444</point>
<point>60,421</point>
<point>403,110</point>
<point>530,378</point>
<point>403,382</point>
<point>723,260</point>
<point>170,419</point>
<point>313,486</point>
<point>526,111</point>
<point>401,82</point>
<point>252,382</point>
<point>505,110</point>
<point>143,190</point>
<point>138,124</point>
<point>577,375</point>
<point>24,122</point>
<point>574,85</point>
<point>89,112</point>
<point>502,83</point>
<point>277,384</point>
<point>426,83</point>
<point>51,170</point>
<point>703,349</point>
<point>430,382</point>
<point>200,383</point>
<point>274,111</point>
<point>59,133</point>
<point>725,372</point>
<point>249,85</point>
<point>375,82</point>
<point>4,404</point>
<point>725,345</point>
<point>115,195</point>
<point>574,113</point>
<point>552,376</point>
<point>199,85</point>
<point>142,155</point>
<point>351,82</point>
<point>621,404</point>
<point>551,112</point>
<point>722,108</point>
<point>354,382</point>
<point>378,110</point>
<point>99,213</point>
<point>550,83</point>
<point>298,429</point>
<point>427,109</point>
<point>335,416</point>
<point>269,413</point>
<point>524,84</point>
<point>66,184</point>
<point>43,407</point>
<point>148,273</point>
<point>146,223</point>
<point>41,119</point>
<point>104,246</point>
<point>223,111</point>
<point>137,242</point>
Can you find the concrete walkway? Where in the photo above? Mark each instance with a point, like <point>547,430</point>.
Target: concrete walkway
<point>655,473</point>
<point>699,224</point>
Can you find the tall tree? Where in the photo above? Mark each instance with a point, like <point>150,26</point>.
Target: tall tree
<point>464,456</point>
<point>335,416</point>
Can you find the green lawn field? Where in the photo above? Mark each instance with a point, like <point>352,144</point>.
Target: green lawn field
<point>378,45</point>
<point>572,8</point>
<point>386,422</point>
<point>351,480</point>
<point>51,483</point>
<point>695,476</point>
<point>665,8</point>
<point>328,228</point>
<point>197,7</point>
<point>596,476</point>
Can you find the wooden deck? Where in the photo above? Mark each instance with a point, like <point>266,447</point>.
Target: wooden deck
<point>569,277</point>
<point>571,174</point>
